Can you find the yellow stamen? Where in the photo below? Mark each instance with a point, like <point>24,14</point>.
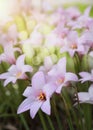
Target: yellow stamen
<point>60,80</point>
<point>18,74</point>
<point>73,46</point>
<point>42,96</point>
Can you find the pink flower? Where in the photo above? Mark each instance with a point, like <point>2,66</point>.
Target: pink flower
<point>10,37</point>
<point>16,71</point>
<point>35,39</point>
<point>71,44</point>
<point>87,36</point>
<point>86,76</point>
<point>81,22</point>
<point>8,54</point>
<point>73,12</point>
<point>37,96</point>
<point>59,76</point>
<point>53,39</point>
<point>86,97</point>
<point>48,63</point>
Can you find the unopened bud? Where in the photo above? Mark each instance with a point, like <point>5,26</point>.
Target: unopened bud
<point>20,23</point>
<point>23,35</point>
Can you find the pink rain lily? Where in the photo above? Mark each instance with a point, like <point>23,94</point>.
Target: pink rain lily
<point>48,63</point>
<point>86,97</point>
<point>36,38</point>
<point>16,71</point>
<point>86,76</point>
<point>71,44</point>
<point>10,37</point>
<point>73,12</point>
<point>81,22</point>
<point>53,39</point>
<point>38,96</point>
<point>87,36</point>
<point>8,54</point>
<point>59,76</point>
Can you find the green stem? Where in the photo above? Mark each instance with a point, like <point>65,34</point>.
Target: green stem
<point>50,123</point>
<point>57,116</point>
<point>24,122</point>
<point>42,120</point>
<point>81,121</point>
<point>88,118</point>
<point>69,120</point>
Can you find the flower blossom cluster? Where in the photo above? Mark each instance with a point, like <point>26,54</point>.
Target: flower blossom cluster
<point>47,48</point>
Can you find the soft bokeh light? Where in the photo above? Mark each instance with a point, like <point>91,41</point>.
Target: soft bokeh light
<point>7,7</point>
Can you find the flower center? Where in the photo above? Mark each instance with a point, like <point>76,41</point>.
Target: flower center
<point>42,96</point>
<point>60,80</point>
<point>73,46</point>
<point>18,74</point>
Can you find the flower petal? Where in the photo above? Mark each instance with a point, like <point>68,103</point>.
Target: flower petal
<point>83,96</point>
<point>8,80</point>
<point>59,88</point>
<point>4,75</point>
<point>62,66</point>
<point>25,105</point>
<point>27,92</point>
<point>49,89</point>
<point>91,90</point>
<point>13,69</point>
<point>85,76</point>
<point>38,80</point>
<point>26,68</point>
<point>34,108</point>
<point>20,61</point>
<point>46,107</point>
<point>70,77</point>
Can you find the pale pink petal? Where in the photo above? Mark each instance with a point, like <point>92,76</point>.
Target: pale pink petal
<point>20,61</point>
<point>53,71</point>
<point>48,63</point>
<point>49,89</point>
<point>13,69</point>
<point>38,80</point>
<point>29,91</point>
<point>61,66</point>
<point>58,90</point>
<point>83,96</point>
<point>90,90</point>
<point>64,49</point>
<point>46,107</point>
<point>85,76</point>
<point>70,77</point>
<point>4,75</point>
<point>34,108</point>
<point>71,52</point>
<point>27,68</point>
<point>25,105</point>
<point>87,11</point>
<point>8,80</point>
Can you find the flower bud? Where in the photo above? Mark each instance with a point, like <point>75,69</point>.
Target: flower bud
<point>28,51</point>
<point>31,25</point>
<point>23,35</point>
<point>36,60</point>
<point>54,58</point>
<point>20,23</point>
<point>45,29</point>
